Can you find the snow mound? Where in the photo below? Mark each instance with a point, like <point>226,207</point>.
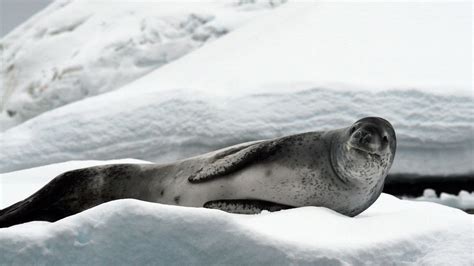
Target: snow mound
<point>464,200</point>
<point>298,69</point>
<point>134,232</point>
<point>77,49</point>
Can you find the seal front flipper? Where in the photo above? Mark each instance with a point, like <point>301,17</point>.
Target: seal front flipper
<point>245,206</point>
<point>234,159</point>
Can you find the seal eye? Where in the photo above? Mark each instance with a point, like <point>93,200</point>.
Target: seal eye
<point>352,130</point>
<point>384,140</point>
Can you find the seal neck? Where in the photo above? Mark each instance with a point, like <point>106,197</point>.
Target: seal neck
<point>336,151</point>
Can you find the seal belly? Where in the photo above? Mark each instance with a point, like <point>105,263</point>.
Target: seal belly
<point>270,182</point>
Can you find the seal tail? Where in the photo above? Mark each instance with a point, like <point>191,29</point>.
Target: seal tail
<point>69,193</point>
<point>13,215</point>
<point>41,206</point>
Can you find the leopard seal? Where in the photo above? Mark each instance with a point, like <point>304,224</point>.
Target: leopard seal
<point>342,169</point>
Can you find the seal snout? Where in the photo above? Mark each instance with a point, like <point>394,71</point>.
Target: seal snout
<point>363,136</point>
<point>368,139</point>
<point>369,135</point>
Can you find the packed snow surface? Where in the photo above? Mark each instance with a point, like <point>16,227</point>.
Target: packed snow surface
<point>303,67</point>
<point>76,49</point>
<point>128,232</point>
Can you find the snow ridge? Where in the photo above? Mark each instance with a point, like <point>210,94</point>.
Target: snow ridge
<point>163,126</point>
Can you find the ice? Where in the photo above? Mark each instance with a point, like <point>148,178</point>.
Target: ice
<point>136,232</point>
<point>464,200</point>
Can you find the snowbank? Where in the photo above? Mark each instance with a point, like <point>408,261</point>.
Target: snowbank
<point>369,46</point>
<point>464,200</point>
<point>134,232</point>
<point>77,49</point>
<point>164,126</point>
<point>303,67</point>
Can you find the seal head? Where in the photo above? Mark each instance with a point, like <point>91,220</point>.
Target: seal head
<point>364,151</point>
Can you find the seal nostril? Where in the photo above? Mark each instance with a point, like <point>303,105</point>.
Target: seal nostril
<point>363,137</point>
<point>367,138</point>
<point>358,135</point>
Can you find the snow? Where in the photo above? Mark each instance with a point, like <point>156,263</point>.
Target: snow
<point>302,67</point>
<point>77,49</point>
<point>339,45</point>
<point>135,232</point>
<point>464,200</point>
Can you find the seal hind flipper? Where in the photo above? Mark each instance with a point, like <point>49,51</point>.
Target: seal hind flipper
<point>11,208</point>
<point>45,204</point>
<point>70,193</point>
<point>245,206</point>
<point>7,215</point>
<point>26,211</point>
<point>232,160</point>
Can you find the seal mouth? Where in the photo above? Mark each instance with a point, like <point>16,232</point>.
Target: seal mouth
<point>365,152</point>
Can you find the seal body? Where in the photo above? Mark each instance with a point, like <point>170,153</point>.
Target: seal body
<point>341,169</point>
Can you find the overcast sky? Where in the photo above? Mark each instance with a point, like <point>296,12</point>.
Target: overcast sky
<point>14,12</point>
